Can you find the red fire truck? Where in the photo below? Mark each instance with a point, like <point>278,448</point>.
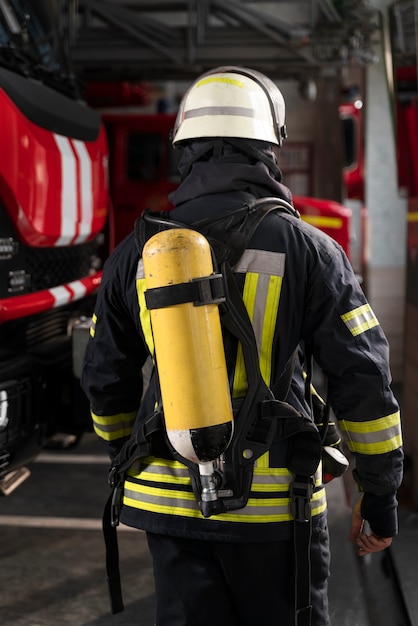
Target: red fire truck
<point>53,208</point>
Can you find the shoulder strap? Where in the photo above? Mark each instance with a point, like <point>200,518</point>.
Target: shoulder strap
<point>228,233</point>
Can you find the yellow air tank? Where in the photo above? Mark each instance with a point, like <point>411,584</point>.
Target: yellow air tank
<point>189,352</point>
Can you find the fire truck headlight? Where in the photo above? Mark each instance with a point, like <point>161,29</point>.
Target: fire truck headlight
<point>8,248</point>
<point>18,281</point>
<point>4,406</point>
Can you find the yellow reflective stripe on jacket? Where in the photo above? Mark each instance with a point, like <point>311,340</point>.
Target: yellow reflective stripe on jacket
<point>263,460</point>
<point>374,436</point>
<point>111,427</point>
<point>144,314</point>
<point>318,502</point>
<point>360,319</point>
<point>261,294</point>
<point>178,503</point>
<point>240,379</point>
<point>93,324</point>
<point>161,470</point>
<point>272,306</point>
<point>277,478</point>
<point>164,486</point>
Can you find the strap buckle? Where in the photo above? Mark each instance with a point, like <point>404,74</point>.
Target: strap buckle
<point>116,484</point>
<point>111,479</point>
<point>116,504</point>
<point>301,490</point>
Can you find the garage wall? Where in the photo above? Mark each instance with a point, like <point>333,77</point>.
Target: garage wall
<point>386,204</point>
<point>387,207</point>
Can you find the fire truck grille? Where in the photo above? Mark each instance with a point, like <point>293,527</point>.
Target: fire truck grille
<point>49,267</point>
<point>37,334</point>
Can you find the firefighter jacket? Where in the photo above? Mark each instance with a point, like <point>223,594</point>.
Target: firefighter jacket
<point>298,286</point>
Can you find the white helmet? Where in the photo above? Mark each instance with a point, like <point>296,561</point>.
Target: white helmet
<point>232,102</point>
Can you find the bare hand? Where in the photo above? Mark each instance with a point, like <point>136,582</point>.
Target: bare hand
<point>367,543</point>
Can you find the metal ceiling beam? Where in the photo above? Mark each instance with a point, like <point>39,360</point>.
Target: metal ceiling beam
<point>328,9</point>
<point>274,28</point>
<point>144,38</point>
<point>138,29</point>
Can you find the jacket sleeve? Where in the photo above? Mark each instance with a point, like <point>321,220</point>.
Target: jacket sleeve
<point>115,354</point>
<point>352,350</point>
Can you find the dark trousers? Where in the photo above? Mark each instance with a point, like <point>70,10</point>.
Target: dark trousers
<point>207,583</point>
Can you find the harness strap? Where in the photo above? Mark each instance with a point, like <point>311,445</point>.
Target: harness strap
<point>302,547</point>
<point>228,233</point>
<point>112,558</point>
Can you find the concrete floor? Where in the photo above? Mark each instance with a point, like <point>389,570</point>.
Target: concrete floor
<point>52,550</point>
<point>52,554</point>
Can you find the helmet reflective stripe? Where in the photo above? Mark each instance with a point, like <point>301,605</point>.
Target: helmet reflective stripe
<point>220,79</point>
<point>218,111</point>
<point>231,102</point>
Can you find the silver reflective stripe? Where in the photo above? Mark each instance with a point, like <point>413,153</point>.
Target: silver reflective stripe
<point>160,498</point>
<point>173,502</point>
<point>274,480</point>
<point>144,314</point>
<point>374,436</point>
<point>261,262</point>
<point>158,469</point>
<point>360,319</point>
<point>111,427</point>
<point>278,480</point>
<point>173,471</point>
<point>319,502</point>
<point>260,309</point>
<point>140,270</point>
<point>233,111</point>
<point>261,294</point>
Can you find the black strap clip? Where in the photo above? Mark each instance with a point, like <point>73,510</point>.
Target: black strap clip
<point>111,479</point>
<point>116,484</point>
<point>301,490</point>
<point>116,504</point>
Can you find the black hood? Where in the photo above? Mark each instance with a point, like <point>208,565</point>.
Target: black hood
<point>210,167</point>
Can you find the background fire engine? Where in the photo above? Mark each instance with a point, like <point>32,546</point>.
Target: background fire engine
<point>53,207</point>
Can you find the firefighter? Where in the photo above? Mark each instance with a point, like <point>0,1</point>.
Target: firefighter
<point>237,568</point>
